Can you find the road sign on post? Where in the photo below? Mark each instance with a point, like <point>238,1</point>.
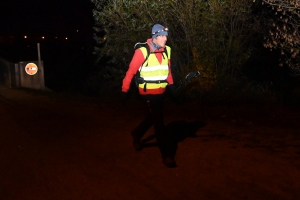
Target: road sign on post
<point>31,69</point>
<point>31,76</point>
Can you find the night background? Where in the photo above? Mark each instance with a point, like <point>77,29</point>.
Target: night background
<point>67,47</point>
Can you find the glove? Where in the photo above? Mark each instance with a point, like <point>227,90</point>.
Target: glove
<point>123,96</point>
<point>173,90</point>
<point>172,93</point>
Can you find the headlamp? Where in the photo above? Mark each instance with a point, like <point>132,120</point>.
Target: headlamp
<point>164,29</point>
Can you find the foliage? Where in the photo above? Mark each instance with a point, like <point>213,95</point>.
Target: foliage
<point>226,37</point>
<point>282,30</point>
<point>123,23</point>
<point>213,36</point>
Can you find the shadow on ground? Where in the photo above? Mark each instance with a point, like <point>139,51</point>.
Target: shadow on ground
<point>178,131</point>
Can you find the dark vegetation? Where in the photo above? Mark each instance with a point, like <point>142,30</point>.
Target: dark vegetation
<point>223,40</point>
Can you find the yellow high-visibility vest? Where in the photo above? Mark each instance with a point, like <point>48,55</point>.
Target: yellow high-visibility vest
<point>153,72</point>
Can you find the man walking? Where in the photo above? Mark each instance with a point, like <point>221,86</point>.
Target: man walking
<point>152,66</point>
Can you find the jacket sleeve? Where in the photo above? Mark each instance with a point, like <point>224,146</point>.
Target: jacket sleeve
<point>136,62</point>
<point>170,76</point>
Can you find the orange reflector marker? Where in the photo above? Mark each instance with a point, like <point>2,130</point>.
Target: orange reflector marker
<point>31,69</point>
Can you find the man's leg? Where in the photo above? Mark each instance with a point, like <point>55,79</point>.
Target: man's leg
<point>143,127</point>
<point>162,137</point>
<point>140,131</point>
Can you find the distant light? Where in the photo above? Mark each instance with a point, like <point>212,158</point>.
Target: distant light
<point>104,38</point>
<point>55,37</point>
<point>25,36</point>
<point>66,38</point>
<point>77,31</point>
<point>43,37</point>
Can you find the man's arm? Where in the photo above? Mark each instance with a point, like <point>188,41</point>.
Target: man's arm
<point>136,62</point>
<point>170,76</point>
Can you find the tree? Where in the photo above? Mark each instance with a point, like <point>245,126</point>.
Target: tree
<point>214,36</point>
<point>282,30</point>
<point>119,24</point>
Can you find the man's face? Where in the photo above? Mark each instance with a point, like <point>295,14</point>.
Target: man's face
<point>161,40</point>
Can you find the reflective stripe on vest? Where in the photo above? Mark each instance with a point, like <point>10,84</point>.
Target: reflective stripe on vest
<point>153,71</point>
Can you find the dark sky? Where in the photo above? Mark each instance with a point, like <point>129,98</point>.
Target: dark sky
<point>49,17</point>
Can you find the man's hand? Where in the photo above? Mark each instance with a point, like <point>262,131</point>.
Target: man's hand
<point>173,93</point>
<point>123,96</point>
<point>172,90</point>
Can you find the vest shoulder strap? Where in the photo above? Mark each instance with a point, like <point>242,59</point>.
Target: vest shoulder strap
<point>145,45</point>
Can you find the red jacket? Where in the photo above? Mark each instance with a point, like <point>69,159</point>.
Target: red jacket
<point>136,62</point>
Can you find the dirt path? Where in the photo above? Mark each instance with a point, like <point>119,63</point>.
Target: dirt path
<point>58,147</point>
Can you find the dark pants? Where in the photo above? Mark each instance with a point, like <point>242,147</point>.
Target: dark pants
<point>155,117</point>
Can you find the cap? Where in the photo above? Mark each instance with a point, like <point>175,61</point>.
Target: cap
<point>158,29</point>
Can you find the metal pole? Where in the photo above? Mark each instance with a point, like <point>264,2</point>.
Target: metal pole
<point>9,66</point>
<point>40,67</point>
<point>39,54</point>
